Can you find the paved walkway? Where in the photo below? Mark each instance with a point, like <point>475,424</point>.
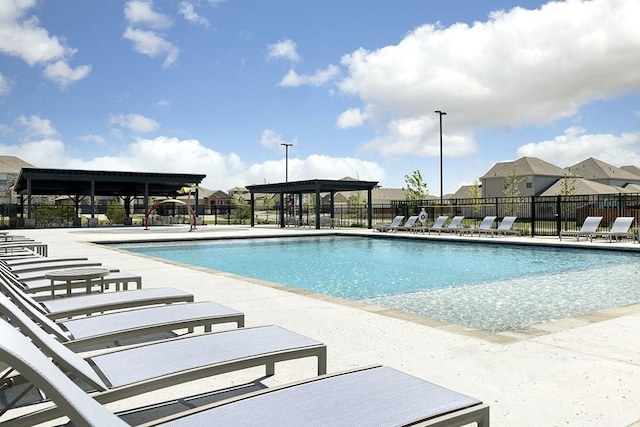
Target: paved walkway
<point>576,372</point>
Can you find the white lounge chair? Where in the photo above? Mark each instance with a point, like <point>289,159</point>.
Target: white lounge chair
<point>619,229</point>
<point>454,225</point>
<point>124,373</point>
<point>364,397</point>
<point>98,302</point>
<point>486,226</point>
<point>506,226</point>
<point>438,224</point>
<point>89,331</point>
<point>390,227</point>
<point>37,259</point>
<point>589,226</point>
<point>409,224</point>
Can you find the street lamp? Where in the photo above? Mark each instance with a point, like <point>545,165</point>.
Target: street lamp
<point>286,164</point>
<point>441,113</point>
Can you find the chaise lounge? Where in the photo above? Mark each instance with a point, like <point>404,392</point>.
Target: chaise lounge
<point>365,397</point>
<point>140,369</point>
<point>589,227</point>
<point>619,229</point>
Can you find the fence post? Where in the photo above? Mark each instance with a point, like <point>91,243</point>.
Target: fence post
<point>620,208</point>
<point>558,215</point>
<point>533,216</point>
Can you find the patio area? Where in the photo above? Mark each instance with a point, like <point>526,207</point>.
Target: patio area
<point>573,372</point>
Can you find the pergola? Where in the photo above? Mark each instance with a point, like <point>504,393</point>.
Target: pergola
<point>78,184</point>
<point>317,186</point>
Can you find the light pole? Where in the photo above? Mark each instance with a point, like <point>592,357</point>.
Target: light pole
<point>440,113</point>
<point>286,161</point>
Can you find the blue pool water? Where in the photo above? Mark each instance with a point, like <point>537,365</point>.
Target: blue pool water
<point>485,286</point>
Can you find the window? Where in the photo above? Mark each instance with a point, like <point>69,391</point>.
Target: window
<point>529,182</point>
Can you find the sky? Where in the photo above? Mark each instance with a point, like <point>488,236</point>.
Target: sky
<point>216,87</point>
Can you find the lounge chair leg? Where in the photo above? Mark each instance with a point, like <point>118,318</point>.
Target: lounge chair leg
<point>322,361</point>
<point>271,369</point>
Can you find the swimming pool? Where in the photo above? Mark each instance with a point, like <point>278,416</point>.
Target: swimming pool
<point>483,286</point>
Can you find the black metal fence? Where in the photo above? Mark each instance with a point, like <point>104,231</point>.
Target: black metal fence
<point>537,216</point>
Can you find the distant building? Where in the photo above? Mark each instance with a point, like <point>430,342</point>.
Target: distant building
<point>604,173</point>
<point>10,167</point>
<point>535,176</point>
<point>585,187</point>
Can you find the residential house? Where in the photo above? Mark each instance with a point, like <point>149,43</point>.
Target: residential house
<point>604,173</point>
<point>534,176</point>
<point>10,167</point>
<point>585,187</point>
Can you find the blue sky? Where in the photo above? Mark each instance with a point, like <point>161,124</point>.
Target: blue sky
<point>216,86</point>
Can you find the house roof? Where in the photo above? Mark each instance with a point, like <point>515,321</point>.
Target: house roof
<point>597,169</point>
<point>585,187</point>
<point>631,169</point>
<point>524,166</point>
<point>12,164</point>
<point>464,192</point>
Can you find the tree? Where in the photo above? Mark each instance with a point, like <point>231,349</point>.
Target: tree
<point>115,212</point>
<point>310,202</point>
<point>242,209</point>
<point>357,204</point>
<point>512,192</point>
<point>568,188</point>
<point>475,193</point>
<point>268,201</point>
<point>416,188</point>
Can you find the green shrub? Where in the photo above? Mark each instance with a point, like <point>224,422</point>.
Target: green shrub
<point>115,212</point>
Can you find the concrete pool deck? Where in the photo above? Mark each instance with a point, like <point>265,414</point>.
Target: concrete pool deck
<point>573,372</point>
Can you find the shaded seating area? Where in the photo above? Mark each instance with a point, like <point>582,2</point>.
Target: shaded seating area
<point>312,187</point>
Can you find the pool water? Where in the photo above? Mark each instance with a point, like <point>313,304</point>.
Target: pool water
<point>485,286</point>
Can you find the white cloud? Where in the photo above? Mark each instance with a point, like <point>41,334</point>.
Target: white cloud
<point>162,104</point>
<point>285,49</point>
<point>134,122</point>
<point>96,139</point>
<point>270,139</point>
<point>6,85</point>
<point>190,15</point>
<point>312,167</point>
<point>152,44</point>
<point>169,154</point>
<point>23,37</point>
<point>520,67</point>
<point>35,126</point>
<point>420,136</point>
<point>140,12</point>
<point>575,145</point>
<point>351,118</point>
<point>61,73</point>
<point>42,153</point>
<point>319,78</point>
